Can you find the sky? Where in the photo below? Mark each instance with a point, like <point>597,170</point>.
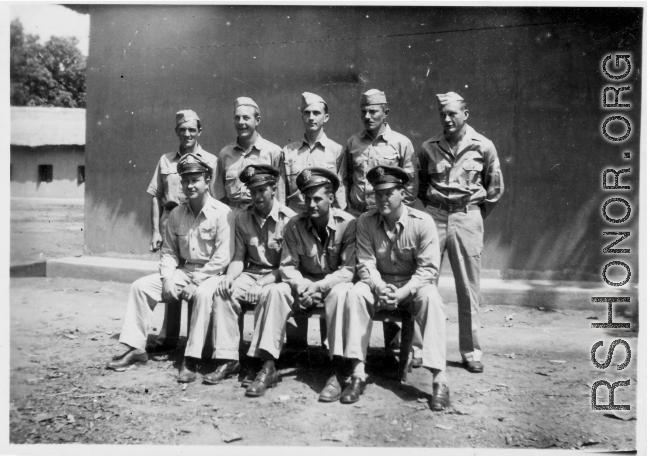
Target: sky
<point>47,19</point>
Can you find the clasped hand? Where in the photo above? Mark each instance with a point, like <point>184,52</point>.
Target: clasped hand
<point>390,296</point>
<point>171,294</point>
<point>306,292</point>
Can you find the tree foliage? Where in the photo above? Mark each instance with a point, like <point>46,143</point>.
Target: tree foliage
<point>50,74</point>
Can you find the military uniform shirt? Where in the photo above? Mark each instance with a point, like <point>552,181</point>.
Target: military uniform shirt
<point>166,182</point>
<point>203,244</point>
<point>362,153</point>
<point>304,254</point>
<point>470,176</point>
<point>413,255</point>
<point>325,154</point>
<point>232,161</point>
<point>258,242</point>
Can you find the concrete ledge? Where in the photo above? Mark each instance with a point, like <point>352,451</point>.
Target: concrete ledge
<point>100,268</point>
<point>549,294</point>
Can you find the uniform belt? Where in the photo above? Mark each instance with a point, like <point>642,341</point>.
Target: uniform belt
<point>454,208</point>
<point>361,207</point>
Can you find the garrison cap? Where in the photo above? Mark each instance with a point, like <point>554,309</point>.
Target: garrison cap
<point>312,177</point>
<point>194,162</point>
<point>245,101</point>
<point>185,116</point>
<point>255,175</point>
<point>445,98</point>
<point>309,99</point>
<point>383,177</point>
<point>373,97</point>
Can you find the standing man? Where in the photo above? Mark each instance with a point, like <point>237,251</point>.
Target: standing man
<point>249,149</point>
<point>398,262</point>
<point>167,193</point>
<point>197,248</point>
<point>259,234</point>
<point>377,145</point>
<point>314,150</point>
<point>317,266</point>
<point>460,183</point>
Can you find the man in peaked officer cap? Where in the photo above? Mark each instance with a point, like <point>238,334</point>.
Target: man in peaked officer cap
<point>315,149</point>
<point>166,192</point>
<point>398,262</point>
<point>259,233</point>
<point>460,183</point>
<point>317,267</point>
<point>197,248</point>
<point>248,149</point>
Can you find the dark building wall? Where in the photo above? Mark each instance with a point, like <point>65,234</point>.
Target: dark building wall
<point>531,76</point>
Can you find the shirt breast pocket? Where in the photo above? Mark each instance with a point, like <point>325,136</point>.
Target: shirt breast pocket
<point>334,256</point>
<point>388,159</point>
<point>232,182</point>
<point>406,253</point>
<point>309,260</point>
<point>472,171</point>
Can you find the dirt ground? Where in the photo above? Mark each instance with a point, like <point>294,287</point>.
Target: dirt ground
<point>534,393</point>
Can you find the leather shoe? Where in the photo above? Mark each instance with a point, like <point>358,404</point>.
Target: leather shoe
<point>249,378</point>
<point>266,378</point>
<point>223,371</point>
<point>126,359</point>
<point>440,397</point>
<point>417,363</point>
<point>475,367</point>
<point>352,392</point>
<point>332,390</point>
<point>188,371</point>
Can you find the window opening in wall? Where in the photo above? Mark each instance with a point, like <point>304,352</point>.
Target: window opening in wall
<point>81,174</point>
<point>45,173</point>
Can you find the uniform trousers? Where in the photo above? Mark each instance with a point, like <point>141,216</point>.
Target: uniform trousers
<point>171,325</point>
<point>146,292</point>
<point>426,307</point>
<point>225,327</point>
<point>461,235</point>
<point>275,308</point>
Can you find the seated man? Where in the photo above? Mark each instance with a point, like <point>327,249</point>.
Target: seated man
<point>398,262</point>
<point>259,231</point>
<point>317,266</point>
<point>197,248</point>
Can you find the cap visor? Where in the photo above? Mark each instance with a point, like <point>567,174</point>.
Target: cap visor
<point>385,185</point>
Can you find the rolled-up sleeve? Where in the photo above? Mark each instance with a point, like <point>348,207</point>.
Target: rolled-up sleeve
<point>412,185</point>
<point>157,186</point>
<point>224,247</point>
<point>366,260</point>
<point>492,180</point>
<point>170,253</point>
<point>290,256</point>
<point>345,272</point>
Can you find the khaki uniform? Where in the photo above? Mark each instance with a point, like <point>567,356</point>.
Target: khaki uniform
<point>324,154</point>
<point>232,161</point>
<point>409,257</point>
<point>166,186</point>
<point>258,243</point>
<point>304,257</point>
<point>459,187</point>
<point>195,250</point>
<point>362,154</point>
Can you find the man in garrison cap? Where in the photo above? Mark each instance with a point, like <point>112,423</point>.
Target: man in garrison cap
<point>460,183</point>
<point>249,149</point>
<point>398,261</point>
<point>377,145</point>
<point>259,235</point>
<point>315,149</point>
<point>197,247</point>
<point>317,267</point>
<point>166,192</point>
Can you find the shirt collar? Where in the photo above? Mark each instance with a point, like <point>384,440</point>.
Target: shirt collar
<point>178,151</point>
<point>331,224</point>
<point>387,132</point>
<point>257,145</point>
<point>321,138</point>
<point>274,214</point>
<point>470,133</point>
<point>207,208</point>
<point>401,222</point>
